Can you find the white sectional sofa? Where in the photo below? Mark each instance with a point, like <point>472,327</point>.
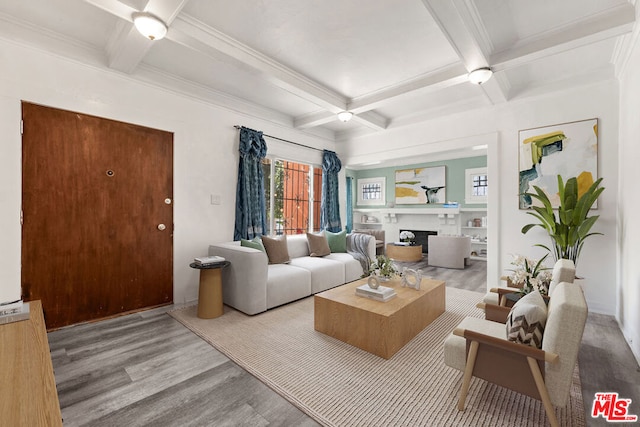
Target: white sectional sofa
<point>252,285</point>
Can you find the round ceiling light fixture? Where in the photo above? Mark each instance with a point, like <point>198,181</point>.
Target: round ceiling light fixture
<point>481,75</point>
<point>149,25</point>
<point>345,116</point>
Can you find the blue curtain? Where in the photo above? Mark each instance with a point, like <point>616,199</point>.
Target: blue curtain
<point>330,205</point>
<point>349,204</point>
<point>251,214</point>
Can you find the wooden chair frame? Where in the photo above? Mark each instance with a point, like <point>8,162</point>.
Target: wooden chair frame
<point>513,353</point>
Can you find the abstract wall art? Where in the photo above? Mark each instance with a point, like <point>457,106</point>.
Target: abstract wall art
<point>421,186</point>
<point>566,149</point>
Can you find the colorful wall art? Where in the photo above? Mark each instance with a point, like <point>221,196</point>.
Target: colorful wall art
<point>421,186</point>
<point>567,149</point>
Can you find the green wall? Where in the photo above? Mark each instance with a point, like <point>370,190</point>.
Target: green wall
<point>455,175</point>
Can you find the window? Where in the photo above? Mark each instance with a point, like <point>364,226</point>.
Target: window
<point>371,191</point>
<point>293,196</point>
<point>476,186</point>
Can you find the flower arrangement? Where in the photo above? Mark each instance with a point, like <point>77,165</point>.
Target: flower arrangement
<point>407,236</point>
<point>383,267</point>
<point>530,274</point>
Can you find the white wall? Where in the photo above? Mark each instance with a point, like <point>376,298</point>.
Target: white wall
<point>628,285</point>
<point>205,150</point>
<point>598,260</point>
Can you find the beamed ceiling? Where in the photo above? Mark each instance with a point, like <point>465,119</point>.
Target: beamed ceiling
<point>297,63</point>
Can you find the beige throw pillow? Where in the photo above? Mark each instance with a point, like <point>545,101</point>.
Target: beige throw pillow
<point>318,244</point>
<point>276,248</point>
<point>527,319</point>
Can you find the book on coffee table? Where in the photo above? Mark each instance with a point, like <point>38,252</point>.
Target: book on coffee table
<point>383,293</point>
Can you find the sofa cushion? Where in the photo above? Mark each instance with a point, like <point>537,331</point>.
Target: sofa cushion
<point>337,241</point>
<point>352,267</point>
<point>298,245</point>
<point>325,273</point>
<point>276,248</point>
<point>318,245</point>
<point>526,320</point>
<point>286,283</point>
<point>255,243</point>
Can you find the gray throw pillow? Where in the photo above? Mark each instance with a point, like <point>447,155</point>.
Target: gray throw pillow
<point>276,248</point>
<point>527,319</point>
<point>318,245</point>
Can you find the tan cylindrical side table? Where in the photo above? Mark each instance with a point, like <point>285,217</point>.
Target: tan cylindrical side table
<point>210,290</point>
<point>404,253</point>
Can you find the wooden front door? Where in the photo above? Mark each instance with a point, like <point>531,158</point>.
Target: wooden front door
<point>97,201</point>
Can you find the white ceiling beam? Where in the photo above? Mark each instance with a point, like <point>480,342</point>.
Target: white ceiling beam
<point>462,26</point>
<point>196,35</point>
<point>372,120</point>
<point>610,23</point>
<point>115,7</point>
<point>446,15</point>
<point>438,80</point>
<point>310,120</point>
<point>127,47</point>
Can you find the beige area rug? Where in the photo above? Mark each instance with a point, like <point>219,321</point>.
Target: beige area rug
<point>340,385</point>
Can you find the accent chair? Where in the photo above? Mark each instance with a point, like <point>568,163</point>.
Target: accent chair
<point>480,348</point>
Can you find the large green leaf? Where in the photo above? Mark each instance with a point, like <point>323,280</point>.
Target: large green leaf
<point>546,223</point>
<point>542,197</point>
<point>528,227</point>
<point>587,200</point>
<point>570,194</point>
<point>583,229</point>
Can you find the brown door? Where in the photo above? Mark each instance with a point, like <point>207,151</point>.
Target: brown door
<point>97,200</point>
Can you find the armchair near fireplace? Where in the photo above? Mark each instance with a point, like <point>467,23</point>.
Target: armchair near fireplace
<point>377,234</point>
<point>449,251</point>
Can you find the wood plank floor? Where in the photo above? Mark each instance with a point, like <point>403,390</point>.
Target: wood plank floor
<point>147,369</point>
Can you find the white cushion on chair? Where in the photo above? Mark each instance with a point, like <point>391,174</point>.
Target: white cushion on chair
<point>455,351</point>
<point>563,271</point>
<point>563,335</point>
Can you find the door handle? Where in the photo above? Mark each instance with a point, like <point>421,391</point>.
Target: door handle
<point>161,227</point>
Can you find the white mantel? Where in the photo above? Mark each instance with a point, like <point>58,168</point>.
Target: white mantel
<point>392,220</point>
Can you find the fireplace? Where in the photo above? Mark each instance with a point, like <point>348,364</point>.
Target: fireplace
<point>422,238</point>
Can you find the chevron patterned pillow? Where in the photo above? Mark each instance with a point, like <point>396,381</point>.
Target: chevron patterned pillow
<point>526,320</point>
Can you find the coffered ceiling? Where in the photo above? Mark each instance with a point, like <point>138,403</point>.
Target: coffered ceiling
<point>298,63</point>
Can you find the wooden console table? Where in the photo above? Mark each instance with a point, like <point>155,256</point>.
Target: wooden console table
<point>28,395</point>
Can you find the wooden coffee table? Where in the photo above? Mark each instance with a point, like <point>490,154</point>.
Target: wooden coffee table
<point>381,328</point>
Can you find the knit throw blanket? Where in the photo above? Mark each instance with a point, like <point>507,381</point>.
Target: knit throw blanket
<point>357,245</point>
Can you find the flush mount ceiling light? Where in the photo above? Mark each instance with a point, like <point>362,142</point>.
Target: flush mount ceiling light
<point>480,75</point>
<point>149,26</point>
<point>345,116</point>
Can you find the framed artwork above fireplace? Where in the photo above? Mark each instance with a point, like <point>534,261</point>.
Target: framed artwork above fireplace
<point>421,186</point>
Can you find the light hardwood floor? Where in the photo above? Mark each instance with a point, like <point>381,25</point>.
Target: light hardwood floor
<point>147,369</point>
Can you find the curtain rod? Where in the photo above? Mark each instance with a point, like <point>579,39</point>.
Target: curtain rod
<point>284,140</point>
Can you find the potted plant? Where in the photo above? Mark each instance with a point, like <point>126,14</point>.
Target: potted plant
<point>571,226</point>
<point>383,268</point>
<point>530,274</point>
